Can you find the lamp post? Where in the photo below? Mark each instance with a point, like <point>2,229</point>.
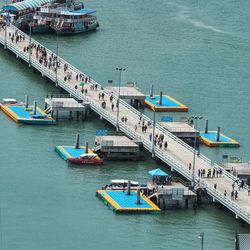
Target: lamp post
<point>30,50</point>
<point>56,54</point>
<point>118,100</point>
<point>153,136</point>
<point>5,34</point>
<point>196,118</point>
<point>201,237</point>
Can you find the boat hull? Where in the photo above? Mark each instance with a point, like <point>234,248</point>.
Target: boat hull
<point>81,161</point>
<point>76,30</point>
<point>41,29</point>
<point>37,121</point>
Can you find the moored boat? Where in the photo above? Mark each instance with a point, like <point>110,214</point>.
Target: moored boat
<point>86,159</point>
<point>75,21</point>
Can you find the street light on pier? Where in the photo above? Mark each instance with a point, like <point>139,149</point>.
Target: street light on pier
<point>30,50</point>
<point>196,118</point>
<point>56,55</point>
<point>201,237</point>
<point>153,136</point>
<point>120,69</point>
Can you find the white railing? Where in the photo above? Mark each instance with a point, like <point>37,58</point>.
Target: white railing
<point>164,156</point>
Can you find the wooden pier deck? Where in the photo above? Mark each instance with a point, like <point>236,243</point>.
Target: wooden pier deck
<point>178,154</point>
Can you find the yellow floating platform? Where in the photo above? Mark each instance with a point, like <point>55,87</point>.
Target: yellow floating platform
<point>209,139</point>
<point>120,202</point>
<point>168,104</point>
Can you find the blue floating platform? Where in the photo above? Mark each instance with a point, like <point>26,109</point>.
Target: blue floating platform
<point>210,140</point>
<point>120,202</point>
<point>168,104</point>
<point>20,114</point>
<point>71,152</point>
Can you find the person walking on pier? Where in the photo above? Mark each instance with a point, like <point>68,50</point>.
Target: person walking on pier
<point>232,195</point>
<point>165,145</point>
<point>111,98</point>
<point>225,193</point>
<point>213,172</point>
<point>112,106</point>
<point>135,127</point>
<point>236,195</point>
<point>189,166</point>
<point>150,136</point>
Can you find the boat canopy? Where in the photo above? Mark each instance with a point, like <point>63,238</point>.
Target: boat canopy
<point>124,181</point>
<point>9,101</point>
<point>157,172</point>
<point>26,4</point>
<point>88,155</point>
<point>78,12</point>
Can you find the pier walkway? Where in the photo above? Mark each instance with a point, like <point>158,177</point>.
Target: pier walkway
<point>178,154</point>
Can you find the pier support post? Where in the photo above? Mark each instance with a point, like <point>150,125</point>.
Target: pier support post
<point>151,91</point>
<point>70,115</point>
<point>186,203</point>
<point>26,101</point>
<point>77,140</point>
<point>206,126</point>
<point>34,111</point>
<point>218,134</point>
<point>52,113</point>
<point>77,115</point>
<point>160,102</point>
<point>129,188</point>
<point>87,148</point>
<point>57,115</point>
<point>138,201</point>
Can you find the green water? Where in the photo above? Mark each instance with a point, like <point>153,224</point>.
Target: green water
<point>195,51</point>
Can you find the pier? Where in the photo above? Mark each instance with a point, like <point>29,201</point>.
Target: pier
<point>178,154</point>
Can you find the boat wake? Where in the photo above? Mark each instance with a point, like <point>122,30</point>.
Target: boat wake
<point>184,14</point>
<point>200,24</point>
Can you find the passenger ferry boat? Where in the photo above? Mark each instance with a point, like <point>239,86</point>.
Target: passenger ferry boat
<point>75,21</point>
<point>44,15</point>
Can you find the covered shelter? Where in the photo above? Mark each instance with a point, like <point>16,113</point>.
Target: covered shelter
<point>160,177</point>
<point>157,172</point>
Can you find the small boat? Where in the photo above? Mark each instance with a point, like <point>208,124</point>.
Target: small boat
<point>92,159</point>
<point>123,184</point>
<point>74,21</point>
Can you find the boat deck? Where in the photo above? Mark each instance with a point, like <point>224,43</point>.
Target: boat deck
<point>120,202</point>
<point>210,140</point>
<point>168,104</point>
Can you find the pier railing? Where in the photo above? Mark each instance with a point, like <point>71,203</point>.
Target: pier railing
<point>69,88</point>
<point>96,106</point>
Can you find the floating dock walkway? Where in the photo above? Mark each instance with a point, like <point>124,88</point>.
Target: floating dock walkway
<point>120,202</point>
<point>178,154</point>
